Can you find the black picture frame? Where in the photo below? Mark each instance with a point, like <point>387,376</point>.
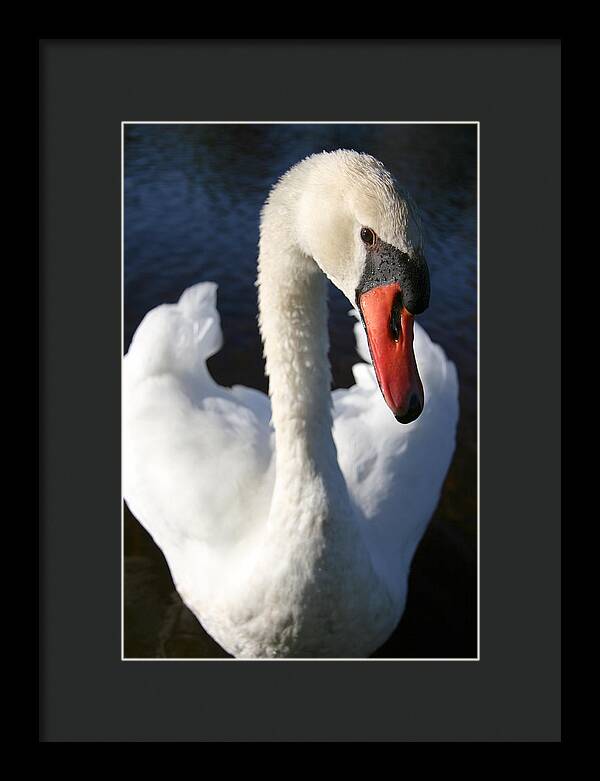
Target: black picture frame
<point>87,88</point>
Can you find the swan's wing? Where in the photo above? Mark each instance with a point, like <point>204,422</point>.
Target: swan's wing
<point>197,456</point>
<point>395,472</point>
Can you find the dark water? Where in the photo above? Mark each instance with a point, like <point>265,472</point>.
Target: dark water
<point>193,194</point>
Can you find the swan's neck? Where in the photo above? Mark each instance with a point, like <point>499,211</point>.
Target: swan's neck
<point>293,319</point>
<point>312,530</point>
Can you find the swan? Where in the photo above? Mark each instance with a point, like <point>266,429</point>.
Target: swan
<point>289,521</point>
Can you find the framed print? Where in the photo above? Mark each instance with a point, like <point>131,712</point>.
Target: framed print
<point>295,452</point>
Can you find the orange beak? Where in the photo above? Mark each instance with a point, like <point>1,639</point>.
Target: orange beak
<point>389,327</point>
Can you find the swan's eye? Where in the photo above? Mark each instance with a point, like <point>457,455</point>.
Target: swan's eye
<point>368,236</point>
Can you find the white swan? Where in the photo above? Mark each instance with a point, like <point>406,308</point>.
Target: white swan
<point>289,524</point>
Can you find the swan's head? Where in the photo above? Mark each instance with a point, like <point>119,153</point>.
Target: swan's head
<point>364,234</point>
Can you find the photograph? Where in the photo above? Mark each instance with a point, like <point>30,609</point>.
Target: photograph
<point>300,391</point>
